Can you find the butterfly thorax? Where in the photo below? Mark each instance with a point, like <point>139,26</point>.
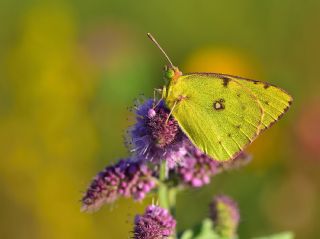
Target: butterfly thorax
<point>171,75</point>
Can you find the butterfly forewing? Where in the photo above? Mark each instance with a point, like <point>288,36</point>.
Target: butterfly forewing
<point>275,101</point>
<point>218,114</point>
<point>221,114</point>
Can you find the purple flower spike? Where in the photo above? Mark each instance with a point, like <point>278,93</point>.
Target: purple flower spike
<point>225,215</point>
<point>197,168</point>
<point>156,136</point>
<point>126,178</point>
<point>155,223</point>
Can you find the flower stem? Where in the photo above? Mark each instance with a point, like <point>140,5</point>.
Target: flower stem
<point>163,189</point>
<point>172,198</point>
<point>167,197</point>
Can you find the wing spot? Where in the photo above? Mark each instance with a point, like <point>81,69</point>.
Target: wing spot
<point>238,126</point>
<point>238,95</point>
<point>285,110</point>
<point>266,102</point>
<point>229,135</point>
<point>219,104</point>
<point>225,81</point>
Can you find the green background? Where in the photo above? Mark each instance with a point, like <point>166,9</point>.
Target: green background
<point>69,70</point>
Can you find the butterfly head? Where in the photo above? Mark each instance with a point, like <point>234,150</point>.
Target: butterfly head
<point>171,73</point>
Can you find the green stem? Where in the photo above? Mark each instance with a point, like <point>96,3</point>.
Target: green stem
<point>167,197</point>
<point>163,189</point>
<point>172,201</point>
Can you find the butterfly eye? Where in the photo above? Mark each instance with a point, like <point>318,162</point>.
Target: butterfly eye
<point>169,73</point>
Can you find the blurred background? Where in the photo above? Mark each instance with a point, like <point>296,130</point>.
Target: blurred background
<point>69,70</point>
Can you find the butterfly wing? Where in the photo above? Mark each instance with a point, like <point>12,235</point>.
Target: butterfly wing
<point>275,101</point>
<point>221,114</point>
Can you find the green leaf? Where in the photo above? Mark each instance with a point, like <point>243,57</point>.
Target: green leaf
<point>205,231</point>
<point>187,235</point>
<point>284,235</point>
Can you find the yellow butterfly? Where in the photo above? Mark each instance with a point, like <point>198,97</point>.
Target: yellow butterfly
<point>221,114</point>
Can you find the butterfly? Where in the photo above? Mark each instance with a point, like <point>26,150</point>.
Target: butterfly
<point>221,114</point>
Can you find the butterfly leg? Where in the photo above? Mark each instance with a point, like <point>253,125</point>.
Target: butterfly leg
<point>176,102</point>
<point>172,109</point>
<point>155,91</point>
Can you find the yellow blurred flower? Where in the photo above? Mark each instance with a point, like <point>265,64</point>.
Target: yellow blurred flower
<point>222,60</point>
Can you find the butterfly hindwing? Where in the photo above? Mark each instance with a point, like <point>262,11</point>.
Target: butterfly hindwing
<point>217,114</point>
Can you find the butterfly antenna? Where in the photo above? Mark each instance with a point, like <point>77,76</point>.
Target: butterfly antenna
<point>158,45</point>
